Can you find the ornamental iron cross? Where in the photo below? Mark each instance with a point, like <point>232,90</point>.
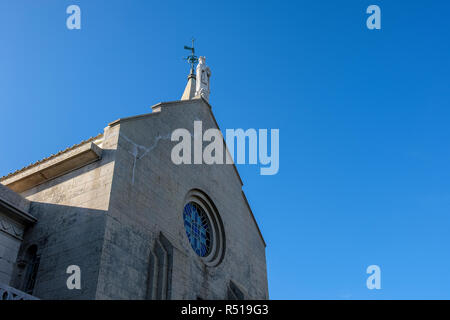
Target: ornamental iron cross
<point>192,59</point>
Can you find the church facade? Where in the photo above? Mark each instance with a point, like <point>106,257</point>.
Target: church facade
<point>137,225</point>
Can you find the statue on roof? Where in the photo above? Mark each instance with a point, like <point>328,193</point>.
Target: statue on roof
<point>203,76</point>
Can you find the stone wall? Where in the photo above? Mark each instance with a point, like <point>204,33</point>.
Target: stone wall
<point>14,199</point>
<point>11,231</point>
<point>9,248</point>
<point>147,199</point>
<point>119,217</point>
<point>71,212</point>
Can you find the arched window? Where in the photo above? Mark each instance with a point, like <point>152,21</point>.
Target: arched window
<point>32,265</point>
<point>234,292</point>
<point>203,227</point>
<point>159,286</point>
<point>197,227</point>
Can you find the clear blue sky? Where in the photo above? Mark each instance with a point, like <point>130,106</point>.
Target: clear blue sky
<point>363,117</point>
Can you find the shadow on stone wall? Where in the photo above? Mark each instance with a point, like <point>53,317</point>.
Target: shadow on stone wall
<point>64,236</point>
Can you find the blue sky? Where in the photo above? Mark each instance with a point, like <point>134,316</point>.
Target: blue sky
<point>363,118</point>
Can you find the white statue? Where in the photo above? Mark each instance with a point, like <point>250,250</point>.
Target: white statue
<point>202,83</point>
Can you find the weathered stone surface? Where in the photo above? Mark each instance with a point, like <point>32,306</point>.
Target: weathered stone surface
<point>148,197</point>
<point>71,211</point>
<point>14,218</point>
<point>14,199</point>
<point>115,216</point>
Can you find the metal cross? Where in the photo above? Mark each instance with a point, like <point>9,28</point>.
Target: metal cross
<point>192,59</point>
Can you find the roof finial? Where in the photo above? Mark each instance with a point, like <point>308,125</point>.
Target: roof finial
<point>189,91</point>
<point>192,59</point>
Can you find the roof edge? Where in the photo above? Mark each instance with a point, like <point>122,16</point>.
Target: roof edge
<point>20,214</point>
<point>32,165</point>
<point>254,219</point>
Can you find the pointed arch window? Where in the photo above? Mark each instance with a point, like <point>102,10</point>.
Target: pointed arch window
<point>32,266</point>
